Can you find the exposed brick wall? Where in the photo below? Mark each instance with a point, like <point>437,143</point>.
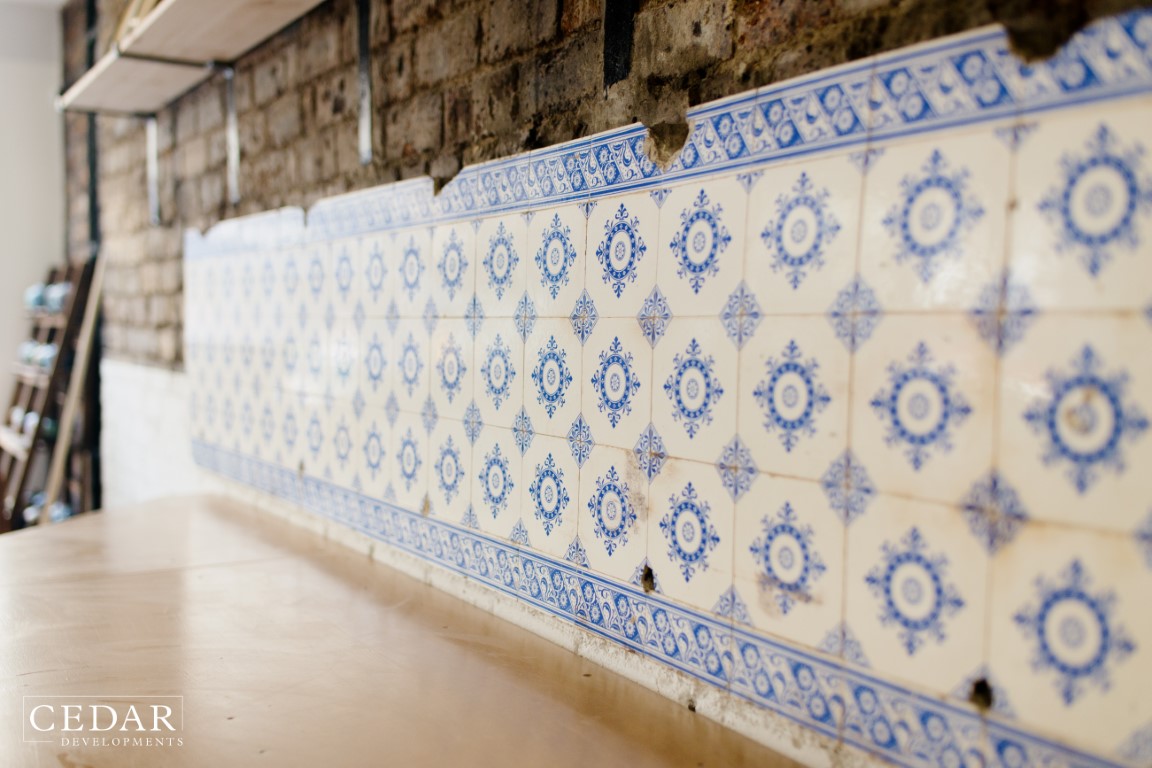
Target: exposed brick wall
<point>454,82</point>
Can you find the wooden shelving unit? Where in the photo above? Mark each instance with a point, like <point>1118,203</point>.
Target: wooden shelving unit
<point>174,48</point>
<point>42,391</point>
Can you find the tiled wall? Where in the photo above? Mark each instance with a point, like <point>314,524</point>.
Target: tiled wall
<point>844,412</point>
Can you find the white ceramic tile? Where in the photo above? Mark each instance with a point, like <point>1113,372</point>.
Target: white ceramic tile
<point>553,376</point>
<point>793,396</point>
<point>701,244</point>
<point>374,455</point>
<point>450,475</point>
<point>454,267</point>
<point>803,232</point>
<point>408,463</point>
<point>1074,426</point>
<point>347,280</point>
<point>621,253</point>
<point>690,533</point>
<point>414,277</point>
<point>1083,220</point>
<point>498,378</point>
<point>1070,635</point>
<point>915,593</point>
<point>555,255</point>
<point>453,368</point>
<point>550,497</point>
<point>933,226</point>
<point>617,386</point>
<point>789,561</point>
<point>497,477</point>
<point>376,361</point>
<point>345,445</point>
<point>376,279</point>
<point>923,406</point>
<point>344,359</point>
<point>695,388</point>
<point>502,257</point>
<point>613,513</point>
<point>409,367</point>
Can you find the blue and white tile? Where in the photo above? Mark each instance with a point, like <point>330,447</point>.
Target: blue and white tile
<point>1070,635</point>
<point>1082,227</point>
<point>617,390</point>
<point>803,233</point>
<point>345,444</point>
<point>701,244</point>
<point>450,471</point>
<point>691,539</point>
<point>554,377</point>
<point>613,513</point>
<point>377,278</point>
<point>621,253</point>
<point>497,481</point>
<point>789,560</point>
<point>498,381</point>
<point>347,276</point>
<point>793,396</point>
<point>376,361</point>
<point>454,267</point>
<point>409,462</point>
<point>453,368</point>
<point>415,272</point>
<point>923,406</point>
<point>316,358</point>
<point>694,389</point>
<point>550,495</point>
<point>376,454</point>
<point>408,369</point>
<point>317,286</point>
<point>915,593</point>
<point>1075,431</point>
<point>933,227</point>
<point>554,257</point>
<point>502,258</point>
<point>344,353</point>
<point>316,433</point>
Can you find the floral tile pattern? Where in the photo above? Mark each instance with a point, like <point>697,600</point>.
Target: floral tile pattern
<point>776,416</point>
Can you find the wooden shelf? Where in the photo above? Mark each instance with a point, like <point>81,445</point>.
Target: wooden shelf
<point>139,86</point>
<point>31,375</point>
<point>174,48</point>
<point>14,443</point>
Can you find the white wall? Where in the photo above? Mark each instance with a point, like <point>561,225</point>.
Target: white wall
<point>146,443</point>
<point>31,164</point>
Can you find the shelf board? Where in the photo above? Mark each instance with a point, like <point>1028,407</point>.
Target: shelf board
<point>211,30</point>
<point>118,83</point>
<point>14,443</point>
<point>173,50</point>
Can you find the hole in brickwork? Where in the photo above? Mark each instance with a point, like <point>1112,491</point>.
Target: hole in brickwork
<point>665,140</point>
<point>691,705</point>
<point>619,22</point>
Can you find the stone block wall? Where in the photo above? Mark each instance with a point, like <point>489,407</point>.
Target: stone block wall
<point>454,82</point>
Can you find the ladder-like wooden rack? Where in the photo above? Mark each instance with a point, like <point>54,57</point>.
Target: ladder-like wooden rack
<point>42,392</point>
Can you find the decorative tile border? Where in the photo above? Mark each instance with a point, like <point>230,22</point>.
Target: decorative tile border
<point>816,691</point>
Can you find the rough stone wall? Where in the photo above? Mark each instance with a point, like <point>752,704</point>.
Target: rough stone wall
<point>454,82</point>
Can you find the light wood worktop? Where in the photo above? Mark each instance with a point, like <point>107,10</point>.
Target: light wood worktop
<point>293,651</point>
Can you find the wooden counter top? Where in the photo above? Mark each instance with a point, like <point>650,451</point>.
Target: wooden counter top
<point>290,650</point>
